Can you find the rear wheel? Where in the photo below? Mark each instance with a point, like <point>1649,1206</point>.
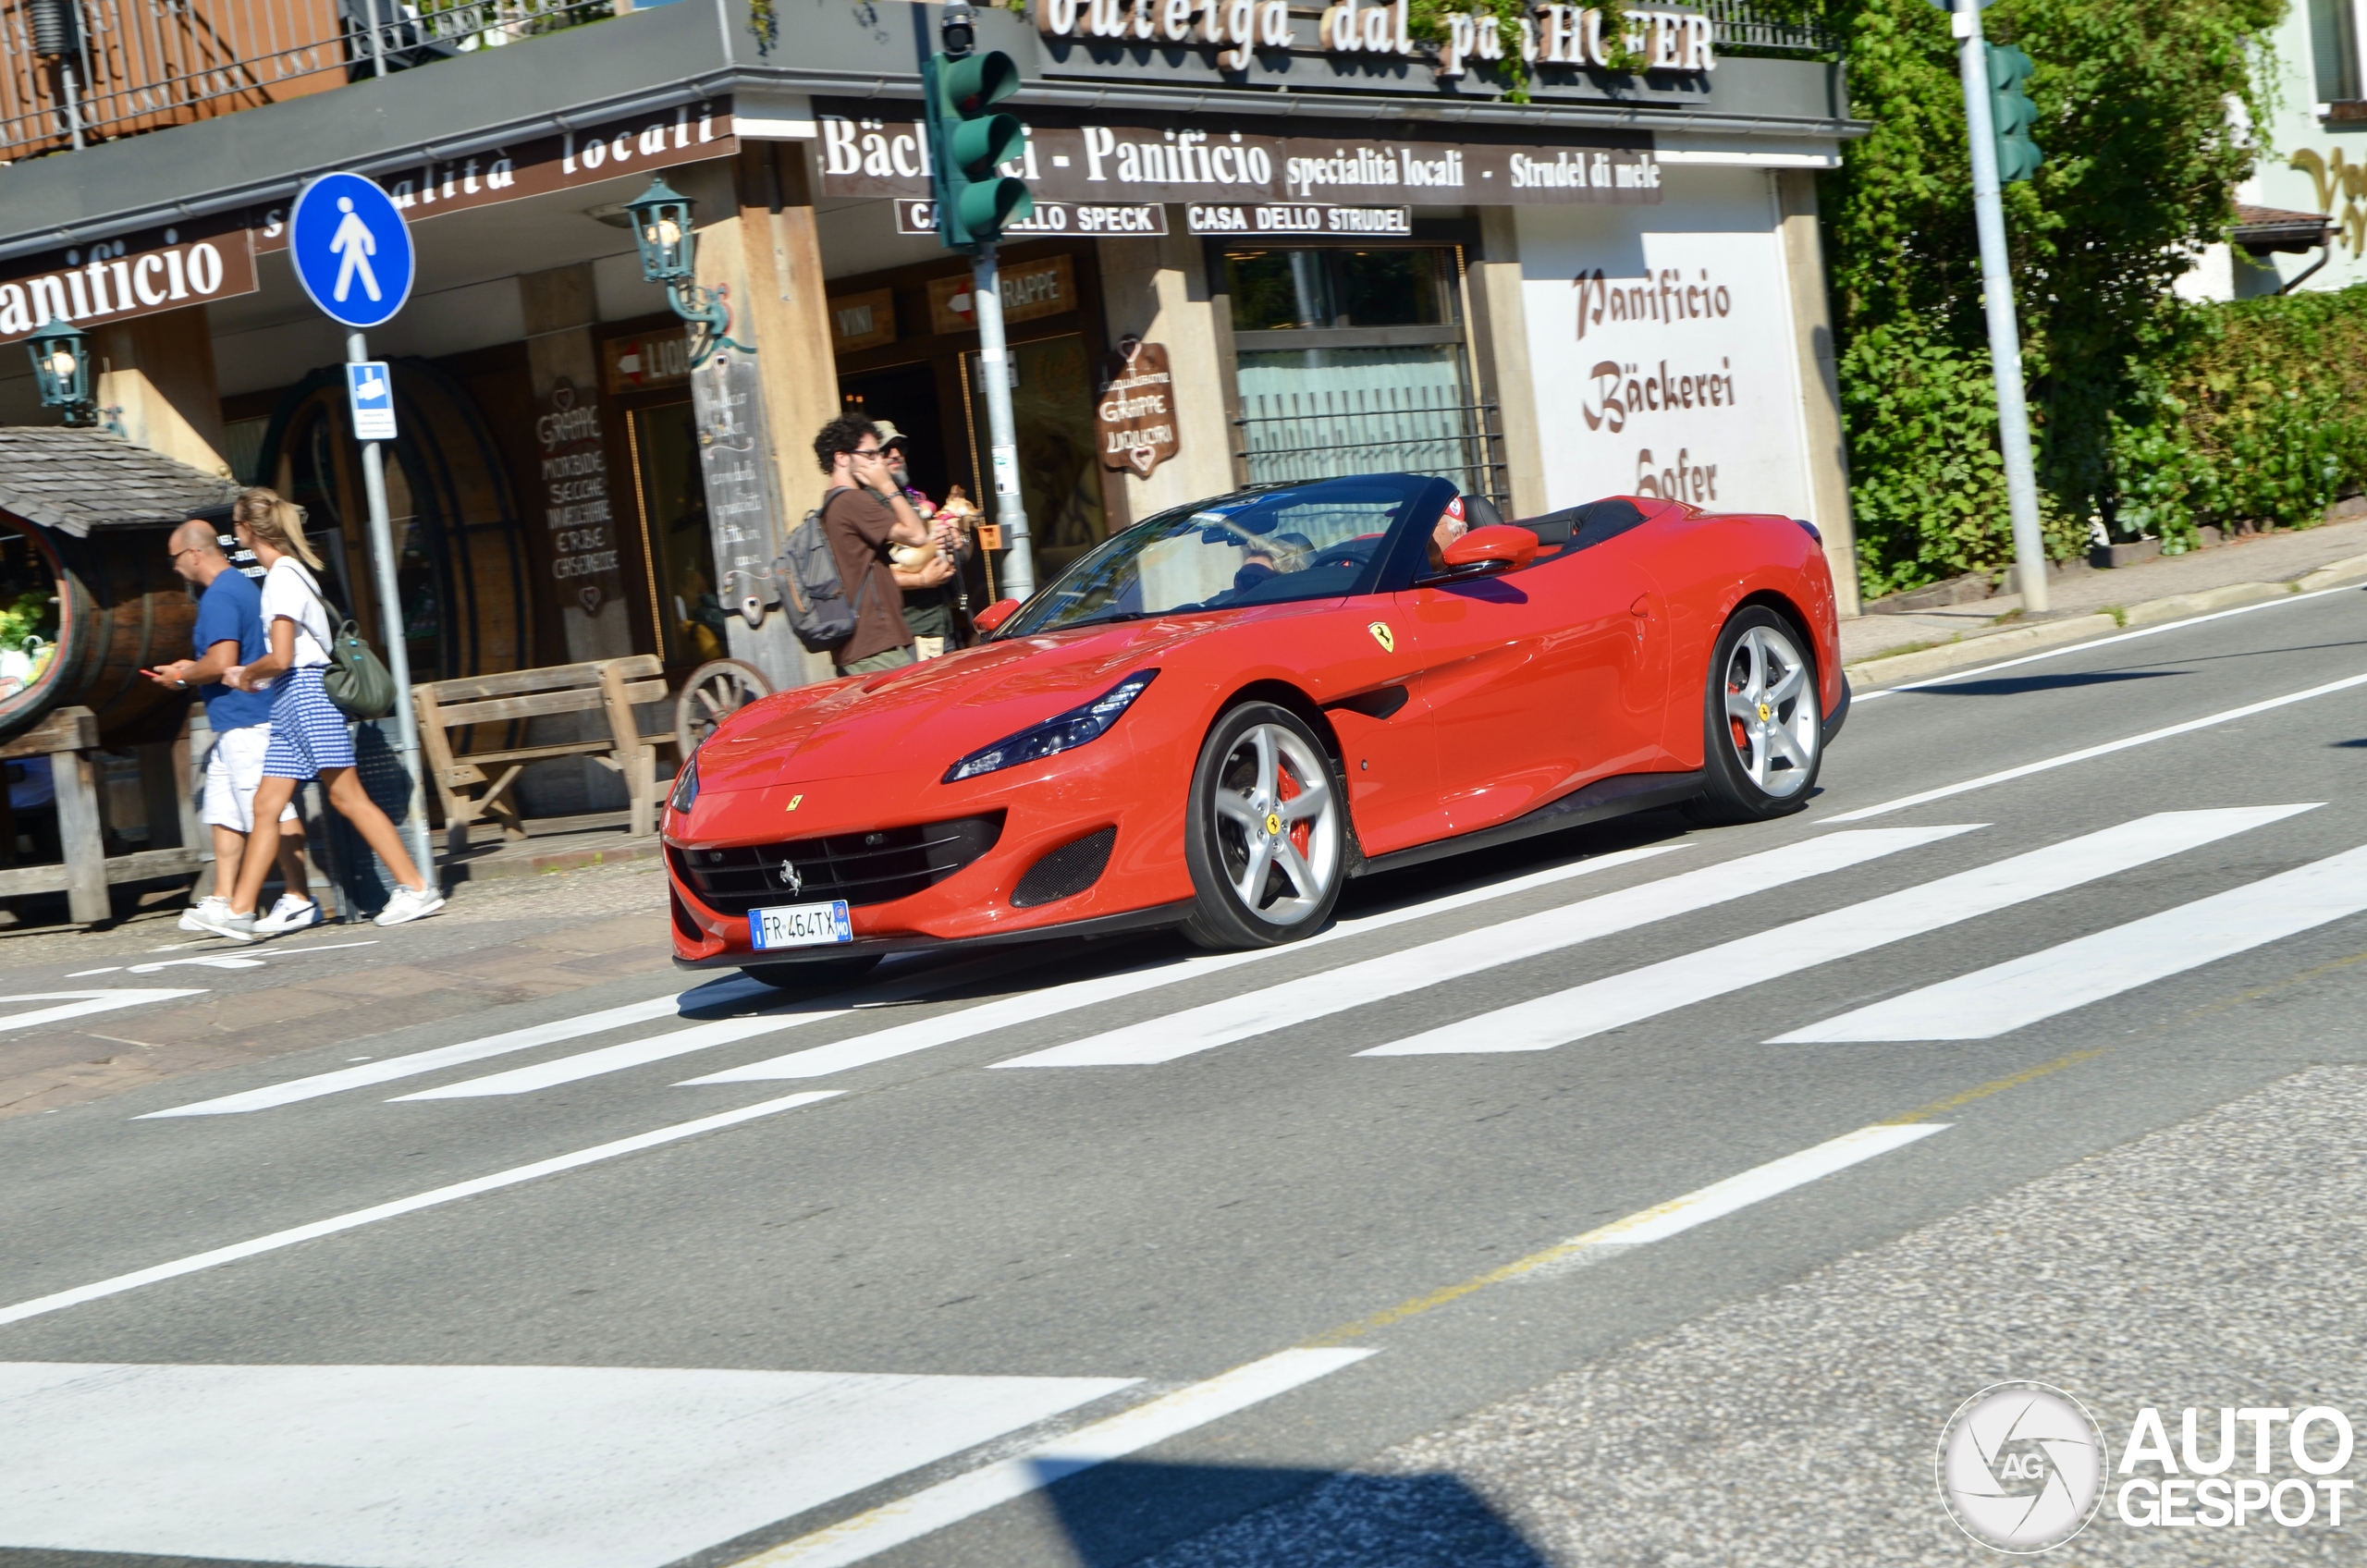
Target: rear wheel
<point>823,975</point>
<point>1267,838</point>
<point>1765,727</point>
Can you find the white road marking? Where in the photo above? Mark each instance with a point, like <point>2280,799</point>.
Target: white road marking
<point>78,1294</point>
<point>2107,644</point>
<point>1756,960</point>
<point>1755,1186</point>
<point>922,1033</point>
<point>468,1466</point>
<point>1471,952</point>
<point>929,1511</point>
<point>80,1004</point>
<point>431,1060</point>
<point>2008,996</point>
<point>2087,754</point>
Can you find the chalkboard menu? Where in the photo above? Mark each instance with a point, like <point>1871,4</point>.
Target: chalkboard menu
<point>728,399</point>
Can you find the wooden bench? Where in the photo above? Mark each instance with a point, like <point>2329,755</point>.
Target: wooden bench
<point>69,738</point>
<point>612,686</point>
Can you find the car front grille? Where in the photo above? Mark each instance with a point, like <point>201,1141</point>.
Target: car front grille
<point>873,868</point>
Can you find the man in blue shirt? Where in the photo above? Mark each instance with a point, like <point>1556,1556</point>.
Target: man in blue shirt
<point>229,632</point>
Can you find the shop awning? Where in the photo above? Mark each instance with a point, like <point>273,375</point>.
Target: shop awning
<point>2265,230</point>
<point>80,481</point>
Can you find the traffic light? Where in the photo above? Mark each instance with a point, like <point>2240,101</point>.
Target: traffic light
<point>2011,113</point>
<point>967,140</point>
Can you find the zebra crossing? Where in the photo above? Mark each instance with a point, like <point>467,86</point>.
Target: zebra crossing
<point>1988,1002</point>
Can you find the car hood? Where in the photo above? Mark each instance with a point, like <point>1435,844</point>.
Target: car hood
<point>927,715</point>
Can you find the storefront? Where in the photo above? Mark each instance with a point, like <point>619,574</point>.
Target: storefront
<point>1269,245</point>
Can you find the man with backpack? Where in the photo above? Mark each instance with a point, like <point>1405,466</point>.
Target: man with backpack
<point>862,514</point>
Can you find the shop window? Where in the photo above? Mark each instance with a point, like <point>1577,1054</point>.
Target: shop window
<point>688,612</point>
<point>1282,289</point>
<point>1353,362</point>
<point>2333,49</point>
<point>1051,410</point>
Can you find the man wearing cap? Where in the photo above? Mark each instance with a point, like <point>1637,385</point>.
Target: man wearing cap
<point>925,572</point>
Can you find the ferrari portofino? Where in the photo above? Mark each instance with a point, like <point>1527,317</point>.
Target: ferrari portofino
<point>1222,713</point>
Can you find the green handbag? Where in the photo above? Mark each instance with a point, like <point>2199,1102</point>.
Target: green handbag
<point>355,681</point>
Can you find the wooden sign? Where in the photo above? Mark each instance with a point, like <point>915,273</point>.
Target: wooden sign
<point>1029,290</point>
<point>726,394</point>
<point>863,321</point>
<point>1134,420</point>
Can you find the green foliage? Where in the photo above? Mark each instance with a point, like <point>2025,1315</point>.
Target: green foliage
<point>2253,416</point>
<point>2133,113</point>
<point>22,619</point>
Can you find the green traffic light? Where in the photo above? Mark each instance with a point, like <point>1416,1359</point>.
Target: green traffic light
<point>967,142</point>
<point>2012,114</point>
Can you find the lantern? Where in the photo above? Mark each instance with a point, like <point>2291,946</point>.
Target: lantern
<point>62,371</point>
<point>661,230</point>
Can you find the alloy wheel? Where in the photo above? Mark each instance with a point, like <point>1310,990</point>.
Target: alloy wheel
<point>1770,715</point>
<point>1277,827</point>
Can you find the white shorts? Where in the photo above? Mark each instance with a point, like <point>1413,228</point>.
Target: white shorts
<point>233,768</point>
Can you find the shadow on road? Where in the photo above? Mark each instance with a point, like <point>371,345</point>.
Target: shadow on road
<point>2014,686</point>
<point>1208,1516</point>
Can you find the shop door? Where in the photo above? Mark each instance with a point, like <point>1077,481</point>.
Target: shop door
<point>1051,411</point>
<point>905,396</point>
<point>680,548</point>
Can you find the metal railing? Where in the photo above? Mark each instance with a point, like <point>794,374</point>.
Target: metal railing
<point>1288,436</point>
<point>76,72</point>
<point>1746,25</point>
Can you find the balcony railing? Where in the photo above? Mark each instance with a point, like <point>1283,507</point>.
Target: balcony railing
<point>1335,431</point>
<point>76,72</point>
<point>1777,30</point>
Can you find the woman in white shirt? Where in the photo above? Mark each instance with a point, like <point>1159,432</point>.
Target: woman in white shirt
<point>308,734</point>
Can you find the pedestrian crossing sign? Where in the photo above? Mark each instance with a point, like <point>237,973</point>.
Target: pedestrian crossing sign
<point>350,249</point>
<point>370,391</point>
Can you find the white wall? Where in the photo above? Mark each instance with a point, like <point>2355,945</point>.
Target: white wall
<point>1605,429</point>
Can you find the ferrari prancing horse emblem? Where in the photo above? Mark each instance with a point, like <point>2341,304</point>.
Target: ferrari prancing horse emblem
<point>1381,634</point>
<point>1765,712</point>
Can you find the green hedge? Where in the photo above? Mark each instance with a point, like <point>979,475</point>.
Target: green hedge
<point>2253,416</point>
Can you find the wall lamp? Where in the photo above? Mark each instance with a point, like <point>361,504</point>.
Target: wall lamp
<point>62,371</point>
<point>661,230</point>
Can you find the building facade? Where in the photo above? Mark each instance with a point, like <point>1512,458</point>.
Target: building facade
<point>1272,242</point>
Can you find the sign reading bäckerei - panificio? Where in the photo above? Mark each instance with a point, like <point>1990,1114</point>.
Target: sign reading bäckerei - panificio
<point>867,154</point>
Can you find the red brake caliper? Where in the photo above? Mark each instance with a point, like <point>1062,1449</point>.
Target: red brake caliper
<point>1302,832</point>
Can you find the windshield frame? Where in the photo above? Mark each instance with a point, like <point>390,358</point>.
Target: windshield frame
<point>1427,498</point>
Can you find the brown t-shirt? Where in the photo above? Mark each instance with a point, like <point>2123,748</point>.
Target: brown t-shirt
<point>856,522</point>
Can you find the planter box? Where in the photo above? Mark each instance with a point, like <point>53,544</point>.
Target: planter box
<point>2105,557</point>
<point>1940,595</point>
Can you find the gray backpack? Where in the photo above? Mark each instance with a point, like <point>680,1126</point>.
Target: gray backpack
<point>812,595</point>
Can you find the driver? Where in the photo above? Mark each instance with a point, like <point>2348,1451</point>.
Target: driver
<point>1451,527</point>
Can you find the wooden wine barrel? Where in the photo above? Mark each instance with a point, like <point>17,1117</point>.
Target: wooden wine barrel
<point>87,514</point>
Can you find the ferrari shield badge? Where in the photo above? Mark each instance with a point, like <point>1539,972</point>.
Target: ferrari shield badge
<point>1381,634</point>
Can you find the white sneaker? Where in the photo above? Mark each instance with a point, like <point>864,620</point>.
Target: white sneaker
<point>193,917</point>
<point>219,922</point>
<point>410,904</point>
<point>290,914</point>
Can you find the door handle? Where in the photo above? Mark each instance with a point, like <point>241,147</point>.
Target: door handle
<point>1641,609</point>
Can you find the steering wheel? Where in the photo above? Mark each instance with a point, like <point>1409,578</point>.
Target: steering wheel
<point>1355,552</point>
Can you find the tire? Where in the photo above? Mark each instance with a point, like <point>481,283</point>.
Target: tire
<point>822,974</point>
<point>1266,838</point>
<point>1763,739</point>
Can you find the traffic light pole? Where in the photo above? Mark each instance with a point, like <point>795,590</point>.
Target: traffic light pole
<point>994,365</point>
<point>2005,333</point>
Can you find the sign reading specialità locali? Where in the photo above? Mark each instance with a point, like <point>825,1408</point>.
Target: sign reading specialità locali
<point>1134,420</point>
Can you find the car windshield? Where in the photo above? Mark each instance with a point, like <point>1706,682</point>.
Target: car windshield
<point>1313,541</point>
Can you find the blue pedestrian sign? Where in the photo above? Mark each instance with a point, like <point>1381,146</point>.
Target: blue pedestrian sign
<point>351,252</point>
<point>370,391</point>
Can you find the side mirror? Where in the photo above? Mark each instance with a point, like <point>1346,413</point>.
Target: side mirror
<point>994,615</point>
<point>1501,548</point>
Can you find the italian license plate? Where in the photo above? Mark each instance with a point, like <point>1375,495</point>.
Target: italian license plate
<point>800,926</point>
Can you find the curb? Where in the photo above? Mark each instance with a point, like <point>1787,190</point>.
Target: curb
<point>1892,669</point>
<point>496,867</point>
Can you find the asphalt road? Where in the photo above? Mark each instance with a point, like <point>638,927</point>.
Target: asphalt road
<point>1244,1224</point>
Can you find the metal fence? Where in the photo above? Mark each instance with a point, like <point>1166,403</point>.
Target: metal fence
<point>78,71</point>
<point>1288,436</point>
<point>1744,24</point>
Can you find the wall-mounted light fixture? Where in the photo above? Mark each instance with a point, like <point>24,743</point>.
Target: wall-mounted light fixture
<point>62,371</point>
<point>661,231</point>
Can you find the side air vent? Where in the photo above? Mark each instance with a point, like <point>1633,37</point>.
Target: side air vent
<point>1066,872</point>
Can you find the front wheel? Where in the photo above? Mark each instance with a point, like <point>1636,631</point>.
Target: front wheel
<point>1765,727</point>
<point>1266,838</point>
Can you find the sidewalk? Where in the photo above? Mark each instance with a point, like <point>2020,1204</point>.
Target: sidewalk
<point>552,843</point>
<point>2256,566</point>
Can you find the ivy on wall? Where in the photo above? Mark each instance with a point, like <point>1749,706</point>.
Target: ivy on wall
<point>2142,153</point>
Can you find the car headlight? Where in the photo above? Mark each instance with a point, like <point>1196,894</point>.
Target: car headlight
<point>1062,732</point>
<point>686,786</point>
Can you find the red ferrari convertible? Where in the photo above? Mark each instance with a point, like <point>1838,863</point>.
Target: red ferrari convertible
<point>1219,716</point>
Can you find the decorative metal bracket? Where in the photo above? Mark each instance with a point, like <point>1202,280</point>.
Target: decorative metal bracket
<point>705,309</point>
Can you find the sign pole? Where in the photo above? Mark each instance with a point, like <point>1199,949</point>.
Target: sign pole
<point>2005,332</point>
<point>994,363</point>
<point>390,621</point>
